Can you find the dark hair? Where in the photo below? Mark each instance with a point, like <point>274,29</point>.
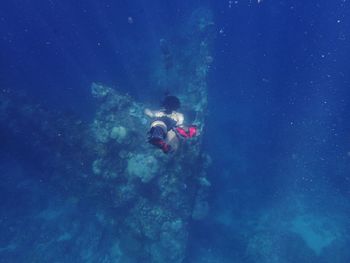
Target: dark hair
<point>171,103</point>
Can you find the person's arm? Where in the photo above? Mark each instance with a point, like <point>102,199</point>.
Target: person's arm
<point>149,113</point>
<point>180,119</point>
<point>153,114</point>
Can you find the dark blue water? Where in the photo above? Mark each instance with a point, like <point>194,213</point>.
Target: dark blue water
<point>278,129</point>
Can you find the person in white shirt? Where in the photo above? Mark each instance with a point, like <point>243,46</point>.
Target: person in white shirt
<point>168,125</point>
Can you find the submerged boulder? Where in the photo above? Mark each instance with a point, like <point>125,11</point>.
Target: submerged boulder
<point>143,166</point>
<point>156,191</point>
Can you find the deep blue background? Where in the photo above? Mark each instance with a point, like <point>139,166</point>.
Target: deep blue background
<point>56,49</point>
<point>281,80</point>
<point>279,97</point>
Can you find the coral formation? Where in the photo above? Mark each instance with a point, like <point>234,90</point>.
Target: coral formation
<point>317,232</point>
<point>143,166</point>
<point>295,233</point>
<point>118,133</point>
<point>143,200</point>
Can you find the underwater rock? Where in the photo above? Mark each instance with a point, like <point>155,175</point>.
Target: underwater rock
<point>173,238</point>
<point>99,91</point>
<point>262,248</point>
<point>158,194</point>
<point>96,167</point>
<point>125,194</point>
<point>146,198</point>
<point>143,166</point>
<point>317,232</point>
<point>118,133</point>
<point>102,135</point>
<point>296,231</point>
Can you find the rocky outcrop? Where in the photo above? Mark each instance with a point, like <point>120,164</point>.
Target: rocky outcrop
<point>160,191</point>
<point>146,198</point>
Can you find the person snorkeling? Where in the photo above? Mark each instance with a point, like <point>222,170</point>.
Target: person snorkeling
<point>167,126</point>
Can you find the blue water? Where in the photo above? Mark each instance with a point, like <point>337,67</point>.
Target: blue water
<point>277,129</point>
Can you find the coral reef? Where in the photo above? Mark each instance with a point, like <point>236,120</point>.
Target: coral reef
<point>295,232</point>
<point>143,166</point>
<point>317,232</point>
<point>161,191</point>
<point>143,200</point>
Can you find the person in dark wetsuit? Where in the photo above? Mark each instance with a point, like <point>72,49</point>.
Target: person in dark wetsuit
<point>167,125</point>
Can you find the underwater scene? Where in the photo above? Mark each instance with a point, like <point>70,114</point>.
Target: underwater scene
<point>174,131</point>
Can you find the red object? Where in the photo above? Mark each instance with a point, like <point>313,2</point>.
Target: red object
<point>182,132</point>
<point>162,145</point>
<point>192,131</point>
<point>166,148</point>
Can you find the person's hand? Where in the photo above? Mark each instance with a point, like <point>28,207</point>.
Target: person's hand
<point>148,112</point>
